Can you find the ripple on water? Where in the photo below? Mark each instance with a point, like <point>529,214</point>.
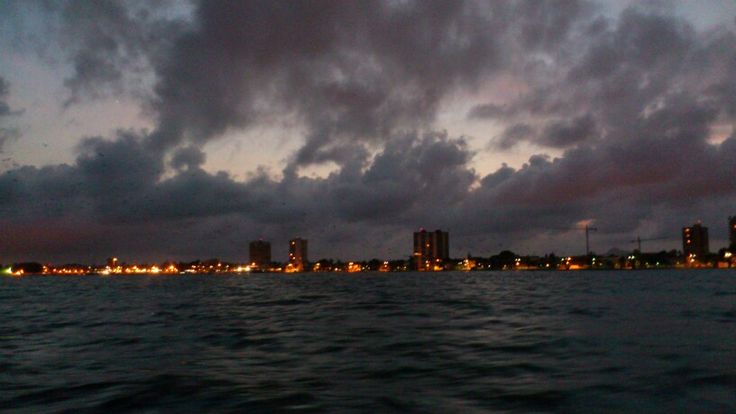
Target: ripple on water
<point>455,342</point>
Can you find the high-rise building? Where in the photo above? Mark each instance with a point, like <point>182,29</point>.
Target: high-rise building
<point>732,231</point>
<point>430,248</point>
<point>298,254</point>
<point>260,254</point>
<point>695,241</point>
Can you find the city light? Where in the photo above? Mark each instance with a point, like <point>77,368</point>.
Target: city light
<point>430,254</point>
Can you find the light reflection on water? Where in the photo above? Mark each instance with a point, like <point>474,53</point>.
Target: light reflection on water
<point>659,341</point>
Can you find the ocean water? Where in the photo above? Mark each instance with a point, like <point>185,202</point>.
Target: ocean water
<point>636,341</point>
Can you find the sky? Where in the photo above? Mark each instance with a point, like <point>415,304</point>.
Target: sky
<point>174,130</point>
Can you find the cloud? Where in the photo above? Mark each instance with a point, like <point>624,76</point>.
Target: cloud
<point>629,105</point>
<point>188,158</point>
<point>351,73</point>
<point>486,111</point>
<point>118,185</point>
<point>514,134</point>
<point>417,179</point>
<point>110,45</point>
<point>619,183</point>
<point>7,133</point>
<point>563,134</point>
<point>4,107</point>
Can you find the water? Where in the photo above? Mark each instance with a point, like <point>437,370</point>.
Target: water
<point>644,341</point>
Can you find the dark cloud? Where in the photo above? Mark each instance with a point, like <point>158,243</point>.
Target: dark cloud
<point>117,184</point>
<point>4,89</point>
<point>111,45</point>
<point>415,180</point>
<point>188,158</point>
<point>514,134</point>
<point>635,109</point>
<point>486,111</point>
<point>541,26</point>
<point>718,63</point>
<point>410,173</point>
<point>620,183</point>
<point>563,134</point>
<point>7,132</point>
<point>628,103</point>
<point>351,72</point>
<point>116,168</point>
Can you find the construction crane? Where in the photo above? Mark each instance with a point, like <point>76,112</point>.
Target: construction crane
<point>639,240</point>
<point>587,229</point>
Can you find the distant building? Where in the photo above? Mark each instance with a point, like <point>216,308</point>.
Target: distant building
<point>298,254</point>
<point>732,231</point>
<point>430,248</point>
<point>260,254</point>
<point>695,242</point>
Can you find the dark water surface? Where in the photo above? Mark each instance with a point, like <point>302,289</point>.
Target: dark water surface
<point>641,341</point>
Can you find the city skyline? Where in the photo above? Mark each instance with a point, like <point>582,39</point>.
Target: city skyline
<point>430,252</point>
<point>368,205</point>
<point>187,129</point>
<point>694,241</point>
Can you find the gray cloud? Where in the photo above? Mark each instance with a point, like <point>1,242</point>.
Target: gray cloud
<point>554,134</point>
<point>486,111</point>
<point>514,134</point>
<point>628,102</point>
<point>563,134</point>
<point>4,89</point>
<point>188,158</point>
<point>110,45</point>
<point>7,133</point>
<point>350,72</point>
<point>415,180</point>
<point>541,26</point>
<point>620,183</point>
<point>116,184</point>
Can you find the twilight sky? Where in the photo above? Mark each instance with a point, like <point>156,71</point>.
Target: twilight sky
<point>183,130</point>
